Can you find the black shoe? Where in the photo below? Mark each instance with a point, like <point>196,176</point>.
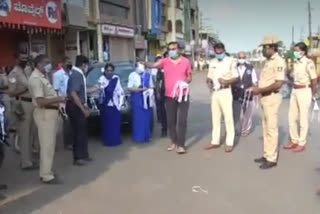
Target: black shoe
<point>79,162</point>
<point>34,166</point>
<point>268,165</point>
<point>260,160</point>
<point>54,181</point>
<point>88,159</point>
<point>3,187</point>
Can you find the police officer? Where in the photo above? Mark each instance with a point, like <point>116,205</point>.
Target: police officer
<point>46,115</point>
<point>271,80</point>
<point>305,85</point>
<point>18,90</point>
<point>222,74</point>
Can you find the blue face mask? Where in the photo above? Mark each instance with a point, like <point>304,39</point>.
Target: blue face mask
<point>220,56</point>
<point>173,54</point>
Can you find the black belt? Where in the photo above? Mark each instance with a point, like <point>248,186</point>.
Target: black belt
<point>25,99</point>
<point>52,108</point>
<point>269,93</point>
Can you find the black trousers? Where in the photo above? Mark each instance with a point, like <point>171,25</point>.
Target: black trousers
<point>1,154</point>
<point>67,132</point>
<point>177,114</point>
<point>79,131</point>
<point>161,112</point>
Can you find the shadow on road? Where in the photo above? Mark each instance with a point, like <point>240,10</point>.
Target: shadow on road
<point>27,194</point>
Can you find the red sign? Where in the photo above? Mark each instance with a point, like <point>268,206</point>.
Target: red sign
<point>41,13</point>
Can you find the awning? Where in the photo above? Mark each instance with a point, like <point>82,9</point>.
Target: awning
<point>75,16</point>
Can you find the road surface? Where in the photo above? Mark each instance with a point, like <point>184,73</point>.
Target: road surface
<point>146,179</point>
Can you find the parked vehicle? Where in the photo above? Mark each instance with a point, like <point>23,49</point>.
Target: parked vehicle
<point>123,70</point>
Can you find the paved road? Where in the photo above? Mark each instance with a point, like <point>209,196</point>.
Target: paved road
<point>145,179</point>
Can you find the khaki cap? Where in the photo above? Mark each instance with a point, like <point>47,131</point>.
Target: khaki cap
<point>270,39</point>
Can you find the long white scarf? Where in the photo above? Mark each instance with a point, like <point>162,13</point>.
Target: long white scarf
<point>148,94</point>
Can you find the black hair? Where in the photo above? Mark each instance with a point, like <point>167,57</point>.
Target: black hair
<point>165,54</point>
<point>39,59</point>
<point>80,60</point>
<point>65,59</point>
<point>109,65</point>
<point>302,46</point>
<point>174,43</point>
<point>219,45</point>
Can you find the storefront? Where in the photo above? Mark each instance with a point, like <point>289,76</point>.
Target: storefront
<point>32,27</point>
<point>118,43</point>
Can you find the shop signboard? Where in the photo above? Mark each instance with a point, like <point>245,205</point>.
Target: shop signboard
<point>40,13</point>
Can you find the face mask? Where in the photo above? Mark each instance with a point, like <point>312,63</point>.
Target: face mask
<point>241,61</point>
<point>48,68</point>
<point>69,67</point>
<point>297,55</point>
<point>265,54</point>
<point>85,69</point>
<point>108,76</point>
<point>173,54</point>
<point>220,56</point>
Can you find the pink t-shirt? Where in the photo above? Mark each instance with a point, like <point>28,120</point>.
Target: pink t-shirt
<point>174,72</point>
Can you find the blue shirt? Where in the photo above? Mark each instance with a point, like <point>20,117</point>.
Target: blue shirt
<point>60,82</point>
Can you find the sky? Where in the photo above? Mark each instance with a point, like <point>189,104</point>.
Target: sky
<point>242,24</point>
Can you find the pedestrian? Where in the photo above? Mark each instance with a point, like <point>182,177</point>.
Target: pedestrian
<point>222,74</point>
<point>140,85</point>
<point>271,79</point>
<point>177,76</point>
<point>60,83</point>
<point>78,111</point>
<point>2,142</point>
<point>111,101</point>
<point>46,115</point>
<point>243,99</point>
<point>160,99</point>
<point>305,87</point>
<point>18,90</point>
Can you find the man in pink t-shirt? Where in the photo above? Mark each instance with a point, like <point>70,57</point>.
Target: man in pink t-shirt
<point>177,75</point>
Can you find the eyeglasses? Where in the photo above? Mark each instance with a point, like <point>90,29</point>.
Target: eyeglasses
<point>172,49</point>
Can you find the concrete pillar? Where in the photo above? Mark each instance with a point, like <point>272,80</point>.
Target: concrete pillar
<point>78,43</point>
<point>173,10</point>
<point>99,32</point>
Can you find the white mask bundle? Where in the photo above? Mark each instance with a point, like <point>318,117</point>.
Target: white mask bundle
<point>315,115</point>
<point>181,89</point>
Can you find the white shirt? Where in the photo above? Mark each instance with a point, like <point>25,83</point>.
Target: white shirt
<point>242,69</point>
<point>135,80</point>
<point>225,69</point>
<point>60,82</point>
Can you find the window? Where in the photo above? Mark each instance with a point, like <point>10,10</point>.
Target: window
<point>179,26</point>
<point>107,8</point>
<point>192,16</point>
<point>169,26</point>
<point>178,4</point>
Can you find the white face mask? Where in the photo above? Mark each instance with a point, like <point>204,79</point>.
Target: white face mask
<point>241,61</point>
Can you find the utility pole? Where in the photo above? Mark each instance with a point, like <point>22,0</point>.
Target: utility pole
<point>292,36</point>
<point>310,19</point>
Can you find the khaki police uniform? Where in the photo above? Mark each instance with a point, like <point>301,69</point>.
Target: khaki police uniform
<point>273,70</point>
<point>46,120</point>
<point>221,98</point>
<point>303,72</point>
<point>23,111</point>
